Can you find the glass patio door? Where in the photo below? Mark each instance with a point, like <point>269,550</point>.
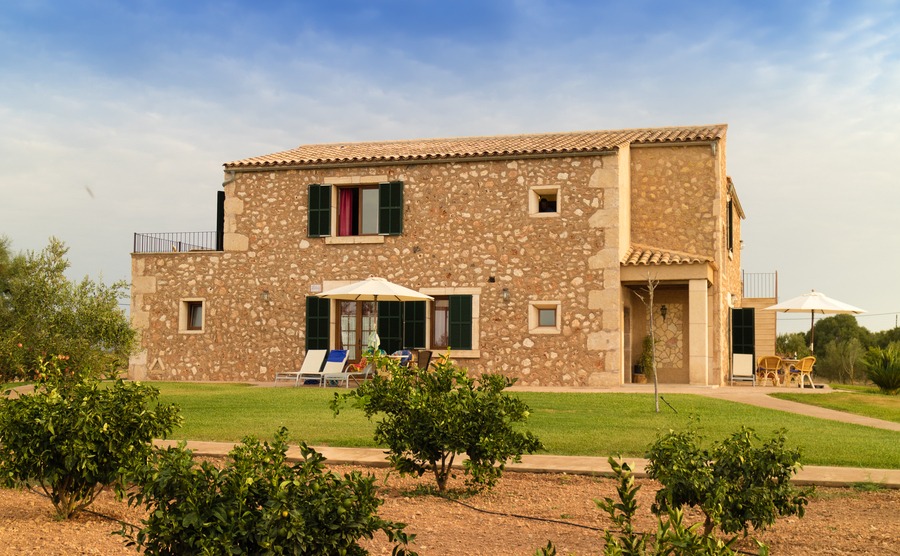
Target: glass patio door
<point>355,325</point>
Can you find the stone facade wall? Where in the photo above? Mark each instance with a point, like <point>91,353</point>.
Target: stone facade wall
<point>464,224</point>
<point>466,228</point>
<point>673,200</point>
<point>679,202</point>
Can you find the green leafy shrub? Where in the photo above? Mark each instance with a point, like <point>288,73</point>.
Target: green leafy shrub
<point>883,367</point>
<point>645,361</point>
<point>672,535</point>
<point>73,437</point>
<point>735,483</point>
<point>428,417</point>
<point>258,503</point>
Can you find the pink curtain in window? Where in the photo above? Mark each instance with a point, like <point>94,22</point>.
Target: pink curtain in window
<point>345,212</point>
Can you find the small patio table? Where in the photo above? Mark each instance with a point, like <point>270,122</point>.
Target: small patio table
<point>786,366</point>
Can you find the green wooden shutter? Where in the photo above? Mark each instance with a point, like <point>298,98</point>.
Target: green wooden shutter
<point>743,330</point>
<point>390,328</point>
<point>318,319</point>
<point>460,322</point>
<point>730,225</point>
<point>319,210</point>
<point>414,325</point>
<point>390,208</point>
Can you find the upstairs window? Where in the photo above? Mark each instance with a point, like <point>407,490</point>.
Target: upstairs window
<point>730,225</point>
<point>359,210</point>
<point>543,201</point>
<point>357,213</point>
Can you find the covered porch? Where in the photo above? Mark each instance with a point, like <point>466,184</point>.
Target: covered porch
<point>682,316</point>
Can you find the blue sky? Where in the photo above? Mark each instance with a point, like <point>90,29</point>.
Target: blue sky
<point>117,116</point>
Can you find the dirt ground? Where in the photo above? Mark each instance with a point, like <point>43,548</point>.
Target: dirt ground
<point>838,521</point>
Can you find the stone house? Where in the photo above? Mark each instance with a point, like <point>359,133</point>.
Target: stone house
<point>537,250</point>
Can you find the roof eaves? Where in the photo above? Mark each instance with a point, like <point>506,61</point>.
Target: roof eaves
<point>638,255</point>
<point>425,150</point>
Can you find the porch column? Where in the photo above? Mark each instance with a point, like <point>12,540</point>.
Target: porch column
<point>698,325</point>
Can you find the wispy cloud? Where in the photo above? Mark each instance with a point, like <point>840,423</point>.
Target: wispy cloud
<point>143,101</point>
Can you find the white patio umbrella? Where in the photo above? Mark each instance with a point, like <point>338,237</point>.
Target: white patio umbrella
<point>374,289</point>
<point>815,302</point>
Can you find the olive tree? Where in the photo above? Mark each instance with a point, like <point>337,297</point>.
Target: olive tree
<point>43,313</point>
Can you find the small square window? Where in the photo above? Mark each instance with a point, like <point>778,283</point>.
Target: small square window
<point>547,202</point>
<point>543,201</point>
<point>195,315</point>
<point>544,317</point>
<point>191,317</point>
<point>547,317</point>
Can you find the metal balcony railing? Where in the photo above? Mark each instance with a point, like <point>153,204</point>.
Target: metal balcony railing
<point>760,284</point>
<point>177,242</point>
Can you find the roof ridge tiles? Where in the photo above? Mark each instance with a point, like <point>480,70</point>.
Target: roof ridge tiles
<point>472,146</point>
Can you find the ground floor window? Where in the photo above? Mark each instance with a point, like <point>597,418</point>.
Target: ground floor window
<point>450,321</point>
<point>440,336</point>
<point>544,317</point>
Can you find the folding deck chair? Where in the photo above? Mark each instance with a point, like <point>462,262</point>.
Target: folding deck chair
<point>356,372</point>
<point>312,365</point>
<point>742,368</point>
<point>334,366</point>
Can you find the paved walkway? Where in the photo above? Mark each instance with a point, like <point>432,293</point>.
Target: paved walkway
<point>583,465</point>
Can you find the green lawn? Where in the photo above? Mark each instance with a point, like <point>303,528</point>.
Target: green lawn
<point>861,400</point>
<point>568,423</point>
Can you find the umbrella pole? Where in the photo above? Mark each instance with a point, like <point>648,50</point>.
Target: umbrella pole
<point>812,330</point>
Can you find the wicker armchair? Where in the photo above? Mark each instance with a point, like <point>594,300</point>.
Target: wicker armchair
<point>767,369</point>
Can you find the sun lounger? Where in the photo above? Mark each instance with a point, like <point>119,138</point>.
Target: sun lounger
<point>334,365</point>
<point>357,372</point>
<point>312,365</point>
<point>742,368</point>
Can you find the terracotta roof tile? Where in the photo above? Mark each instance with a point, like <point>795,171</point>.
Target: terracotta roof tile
<point>465,147</point>
<point>643,255</point>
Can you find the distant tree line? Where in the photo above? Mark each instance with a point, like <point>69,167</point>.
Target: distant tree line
<point>840,346</point>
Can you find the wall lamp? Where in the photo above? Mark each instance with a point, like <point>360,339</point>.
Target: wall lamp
<point>663,310</point>
<point>504,294</point>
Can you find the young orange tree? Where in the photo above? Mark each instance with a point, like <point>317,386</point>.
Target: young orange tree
<point>428,417</point>
<point>74,437</point>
